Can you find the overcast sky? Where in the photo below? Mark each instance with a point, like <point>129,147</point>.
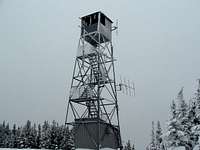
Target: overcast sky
<point>158,47</point>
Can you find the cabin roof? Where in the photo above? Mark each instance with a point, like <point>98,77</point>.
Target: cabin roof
<point>97,12</point>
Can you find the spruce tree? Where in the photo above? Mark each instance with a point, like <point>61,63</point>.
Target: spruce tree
<point>158,136</point>
<point>2,129</point>
<point>20,139</point>
<point>133,147</point>
<point>27,134</point>
<point>182,106</point>
<point>194,116</point>
<point>45,137</point>
<point>33,137</point>
<point>38,138</point>
<point>197,102</point>
<point>128,146</point>
<point>60,136</point>
<point>173,127</point>
<point>178,130</point>
<point>7,136</point>
<point>197,97</point>
<point>68,141</point>
<point>185,119</point>
<point>53,136</point>
<point>173,110</point>
<point>152,144</point>
<point>13,142</point>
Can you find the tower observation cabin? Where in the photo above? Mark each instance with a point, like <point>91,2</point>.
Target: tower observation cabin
<point>96,28</point>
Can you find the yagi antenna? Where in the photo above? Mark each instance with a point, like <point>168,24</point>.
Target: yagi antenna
<point>119,86</point>
<point>198,83</point>
<point>133,87</point>
<point>126,87</point>
<point>115,27</point>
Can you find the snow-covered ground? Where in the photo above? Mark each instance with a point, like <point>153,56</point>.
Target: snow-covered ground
<point>197,147</point>
<point>18,149</point>
<point>177,148</point>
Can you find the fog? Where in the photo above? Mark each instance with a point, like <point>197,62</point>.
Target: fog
<point>157,47</point>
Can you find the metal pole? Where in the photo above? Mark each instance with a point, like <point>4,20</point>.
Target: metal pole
<point>98,90</point>
<point>98,105</point>
<point>116,102</point>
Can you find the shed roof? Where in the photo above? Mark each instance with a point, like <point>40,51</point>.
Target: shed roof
<point>97,12</point>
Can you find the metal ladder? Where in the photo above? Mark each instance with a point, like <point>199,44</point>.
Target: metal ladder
<point>92,110</point>
<point>94,65</point>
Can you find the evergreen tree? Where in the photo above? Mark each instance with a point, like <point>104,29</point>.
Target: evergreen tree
<point>38,138</point>
<point>173,110</point>
<point>152,144</point>
<point>27,134</point>
<point>197,98</point>
<point>178,130</point>
<point>60,136</point>
<point>33,137</point>
<point>53,135</point>
<point>133,147</point>
<point>197,105</point>
<point>13,142</point>
<point>185,124</point>
<point>192,112</point>
<point>182,106</point>
<point>45,136</point>
<point>174,133</point>
<point>194,116</point>
<point>2,134</point>
<point>191,116</point>
<point>20,141</point>
<point>67,142</point>
<point>158,136</point>
<point>7,136</point>
<point>128,146</point>
<point>23,137</point>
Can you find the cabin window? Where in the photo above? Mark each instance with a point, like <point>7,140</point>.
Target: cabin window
<point>103,19</point>
<point>86,20</point>
<point>94,18</point>
<point>90,20</point>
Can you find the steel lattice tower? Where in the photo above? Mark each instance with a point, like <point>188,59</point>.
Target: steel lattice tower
<point>92,108</point>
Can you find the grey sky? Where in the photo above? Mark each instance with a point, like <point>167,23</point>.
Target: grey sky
<point>158,47</point>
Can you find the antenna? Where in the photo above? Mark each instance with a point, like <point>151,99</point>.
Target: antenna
<point>133,87</point>
<point>126,86</point>
<point>198,83</point>
<point>116,27</point>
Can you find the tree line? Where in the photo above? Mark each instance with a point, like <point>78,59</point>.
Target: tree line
<point>183,126</point>
<point>45,136</point>
<point>41,136</point>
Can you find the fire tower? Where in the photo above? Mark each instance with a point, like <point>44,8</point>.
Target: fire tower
<point>92,108</point>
